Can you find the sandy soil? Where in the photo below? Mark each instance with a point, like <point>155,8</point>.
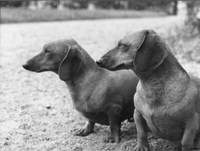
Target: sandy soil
<point>36,111</point>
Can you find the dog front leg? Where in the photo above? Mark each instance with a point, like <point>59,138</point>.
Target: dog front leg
<point>86,129</point>
<point>141,126</point>
<point>190,132</point>
<point>115,123</point>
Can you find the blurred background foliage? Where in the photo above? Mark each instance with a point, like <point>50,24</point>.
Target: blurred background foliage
<point>170,6</point>
<point>184,38</point>
<point>61,10</point>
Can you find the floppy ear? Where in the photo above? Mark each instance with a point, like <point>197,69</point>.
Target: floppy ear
<point>70,63</point>
<point>151,53</point>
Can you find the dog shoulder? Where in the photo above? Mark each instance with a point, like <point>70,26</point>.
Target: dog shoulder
<point>195,80</point>
<point>195,88</point>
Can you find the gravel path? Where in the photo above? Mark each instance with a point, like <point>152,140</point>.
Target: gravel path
<point>36,111</point>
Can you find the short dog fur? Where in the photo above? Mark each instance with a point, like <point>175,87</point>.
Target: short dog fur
<point>167,99</point>
<point>100,95</point>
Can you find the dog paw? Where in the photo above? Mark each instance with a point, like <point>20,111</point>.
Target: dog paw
<point>141,148</point>
<point>177,148</point>
<point>111,139</point>
<point>82,132</point>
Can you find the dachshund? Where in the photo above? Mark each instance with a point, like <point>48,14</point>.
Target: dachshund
<point>167,98</point>
<point>100,95</point>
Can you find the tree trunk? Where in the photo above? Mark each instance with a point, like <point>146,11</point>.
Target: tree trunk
<point>175,8</point>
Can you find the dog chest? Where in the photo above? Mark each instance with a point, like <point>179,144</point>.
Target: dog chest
<point>162,123</point>
<point>87,105</point>
<point>165,125</point>
<point>91,110</point>
<point>100,117</point>
<point>167,121</point>
<point>164,120</point>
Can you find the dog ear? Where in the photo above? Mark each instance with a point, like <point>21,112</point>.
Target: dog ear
<point>70,63</point>
<point>151,53</point>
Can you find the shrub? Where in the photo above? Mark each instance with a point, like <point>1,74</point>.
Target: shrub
<point>183,44</point>
<point>11,3</point>
<point>193,17</point>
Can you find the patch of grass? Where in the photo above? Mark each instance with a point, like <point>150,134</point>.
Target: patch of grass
<point>19,15</point>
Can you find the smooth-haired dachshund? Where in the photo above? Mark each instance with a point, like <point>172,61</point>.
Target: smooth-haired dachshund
<point>100,95</point>
<point>167,99</point>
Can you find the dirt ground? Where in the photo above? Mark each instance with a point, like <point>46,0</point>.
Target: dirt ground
<point>36,111</point>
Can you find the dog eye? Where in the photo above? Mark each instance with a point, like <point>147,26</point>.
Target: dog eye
<point>121,46</point>
<point>46,51</point>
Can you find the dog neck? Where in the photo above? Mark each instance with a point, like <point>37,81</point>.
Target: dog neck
<point>169,75</point>
<point>84,72</point>
<point>169,68</point>
<point>83,81</point>
<point>169,80</point>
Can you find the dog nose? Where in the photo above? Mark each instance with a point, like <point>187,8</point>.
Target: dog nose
<point>25,66</point>
<point>100,62</point>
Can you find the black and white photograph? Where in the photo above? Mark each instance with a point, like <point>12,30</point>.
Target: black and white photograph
<point>99,75</point>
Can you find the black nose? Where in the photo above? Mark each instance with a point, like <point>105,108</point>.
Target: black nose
<point>25,66</point>
<point>100,62</point>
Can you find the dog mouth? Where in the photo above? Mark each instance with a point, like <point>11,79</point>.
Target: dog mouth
<point>128,65</point>
<point>111,65</point>
<point>32,68</point>
<point>119,67</point>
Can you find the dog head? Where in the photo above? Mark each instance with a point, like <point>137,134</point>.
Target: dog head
<point>142,51</point>
<point>62,57</point>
